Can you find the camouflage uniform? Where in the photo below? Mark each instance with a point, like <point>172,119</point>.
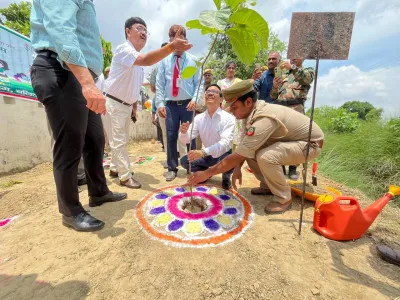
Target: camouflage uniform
<point>295,87</point>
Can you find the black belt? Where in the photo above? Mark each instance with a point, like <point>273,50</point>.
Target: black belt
<point>289,102</point>
<point>118,100</point>
<point>47,53</point>
<point>178,102</point>
<point>52,54</point>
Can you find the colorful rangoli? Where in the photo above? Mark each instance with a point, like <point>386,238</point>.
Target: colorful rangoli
<point>162,215</point>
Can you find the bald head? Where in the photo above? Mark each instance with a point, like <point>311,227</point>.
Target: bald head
<point>273,60</point>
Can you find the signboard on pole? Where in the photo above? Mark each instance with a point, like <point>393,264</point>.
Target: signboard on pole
<point>16,57</point>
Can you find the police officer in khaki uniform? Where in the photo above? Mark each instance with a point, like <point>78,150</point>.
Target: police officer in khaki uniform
<point>274,135</point>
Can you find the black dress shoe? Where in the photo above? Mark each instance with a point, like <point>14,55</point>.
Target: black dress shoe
<point>83,222</point>
<point>110,197</point>
<point>82,181</point>
<point>170,175</point>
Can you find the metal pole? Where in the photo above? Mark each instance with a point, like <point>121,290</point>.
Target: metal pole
<point>308,144</point>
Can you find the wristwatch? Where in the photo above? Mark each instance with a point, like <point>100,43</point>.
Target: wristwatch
<point>293,67</point>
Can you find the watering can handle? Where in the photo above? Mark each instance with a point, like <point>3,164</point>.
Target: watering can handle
<point>353,201</point>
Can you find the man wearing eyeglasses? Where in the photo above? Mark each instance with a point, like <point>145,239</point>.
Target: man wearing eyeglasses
<point>215,128</point>
<point>122,90</point>
<point>176,98</point>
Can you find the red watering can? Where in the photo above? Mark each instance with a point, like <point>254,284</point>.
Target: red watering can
<point>340,218</point>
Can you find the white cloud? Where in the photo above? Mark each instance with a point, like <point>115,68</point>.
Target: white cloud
<point>348,83</point>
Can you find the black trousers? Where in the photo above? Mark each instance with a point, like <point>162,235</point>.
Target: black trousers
<point>76,131</point>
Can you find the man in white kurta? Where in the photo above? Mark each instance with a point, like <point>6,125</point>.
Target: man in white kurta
<point>215,128</point>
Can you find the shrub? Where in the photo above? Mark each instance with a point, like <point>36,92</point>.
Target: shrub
<point>344,122</point>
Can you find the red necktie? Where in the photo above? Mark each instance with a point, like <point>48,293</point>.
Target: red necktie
<point>175,88</point>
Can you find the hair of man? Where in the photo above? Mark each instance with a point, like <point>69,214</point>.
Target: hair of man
<point>132,21</point>
<point>217,86</point>
<point>174,29</point>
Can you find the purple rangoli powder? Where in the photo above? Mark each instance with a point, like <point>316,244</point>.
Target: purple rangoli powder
<point>175,225</point>
<point>211,224</point>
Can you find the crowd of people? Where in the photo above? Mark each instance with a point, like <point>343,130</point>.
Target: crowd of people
<point>261,122</point>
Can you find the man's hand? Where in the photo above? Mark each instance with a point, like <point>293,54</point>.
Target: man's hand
<point>277,83</point>
<point>194,155</point>
<point>191,106</point>
<point>184,127</point>
<point>286,65</point>
<point>198,177</point>
<point>237,175</point>
<point>133,116</point>
<point>94,98</point>
<point>153,118</point>
<point>162,112</point>
<point>179,44</point>
<point>153,88</point>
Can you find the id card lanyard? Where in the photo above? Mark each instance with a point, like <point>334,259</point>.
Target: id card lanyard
<point>179,81</point>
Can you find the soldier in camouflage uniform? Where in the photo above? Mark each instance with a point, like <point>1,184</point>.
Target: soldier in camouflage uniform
<point>291,85</point>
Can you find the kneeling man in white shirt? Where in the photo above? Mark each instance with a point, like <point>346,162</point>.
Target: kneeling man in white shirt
<point>215,128</point>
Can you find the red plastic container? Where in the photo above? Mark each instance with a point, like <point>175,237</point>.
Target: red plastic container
<point>340,218</point>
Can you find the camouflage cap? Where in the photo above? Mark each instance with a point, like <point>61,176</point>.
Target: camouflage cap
<point>207,71</point>
<point>237,90</point>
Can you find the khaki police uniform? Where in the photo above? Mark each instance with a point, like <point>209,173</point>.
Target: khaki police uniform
<point>274,135</point>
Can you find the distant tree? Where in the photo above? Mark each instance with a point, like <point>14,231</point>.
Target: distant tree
<point>374,114</point>
<point>362,108</point>
<point>107,52</point>
<point>17,17</point>
<point>223,53</point>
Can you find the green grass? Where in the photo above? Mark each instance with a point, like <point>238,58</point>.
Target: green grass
<point>368,159</point>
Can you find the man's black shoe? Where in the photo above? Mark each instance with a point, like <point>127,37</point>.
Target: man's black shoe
<point>82,181</point>
<point>110,197</point>
<point>83,222</point>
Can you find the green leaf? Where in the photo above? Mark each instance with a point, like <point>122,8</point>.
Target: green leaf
<point>195,24</point>
<point>215,19</point>
<point>217,4</point>
<point>254,21</point>
<point>198,63</point>
<point>188,72</point>
<point>234,3</point>
<point>243,43</point>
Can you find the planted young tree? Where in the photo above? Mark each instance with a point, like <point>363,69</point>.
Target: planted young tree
<point>224,53</point>
<point>245,29</point>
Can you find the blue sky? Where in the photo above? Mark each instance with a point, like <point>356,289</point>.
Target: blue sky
<point>372,72</point>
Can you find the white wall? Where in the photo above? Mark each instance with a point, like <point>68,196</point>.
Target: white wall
<point>25,139</point>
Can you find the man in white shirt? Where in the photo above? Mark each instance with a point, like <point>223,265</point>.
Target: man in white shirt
<point>122,90</point>
<point>215,128</point>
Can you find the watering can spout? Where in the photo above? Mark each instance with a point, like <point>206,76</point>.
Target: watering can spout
<point>372,211</point>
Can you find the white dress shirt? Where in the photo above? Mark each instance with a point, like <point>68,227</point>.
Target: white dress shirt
<point>125,79</point>
<point>216,132</point>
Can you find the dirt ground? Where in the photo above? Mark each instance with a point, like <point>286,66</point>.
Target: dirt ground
<point>42,259</point>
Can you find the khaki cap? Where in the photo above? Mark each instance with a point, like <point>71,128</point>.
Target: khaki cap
<point>209,71</point>
<point>237,90</point>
